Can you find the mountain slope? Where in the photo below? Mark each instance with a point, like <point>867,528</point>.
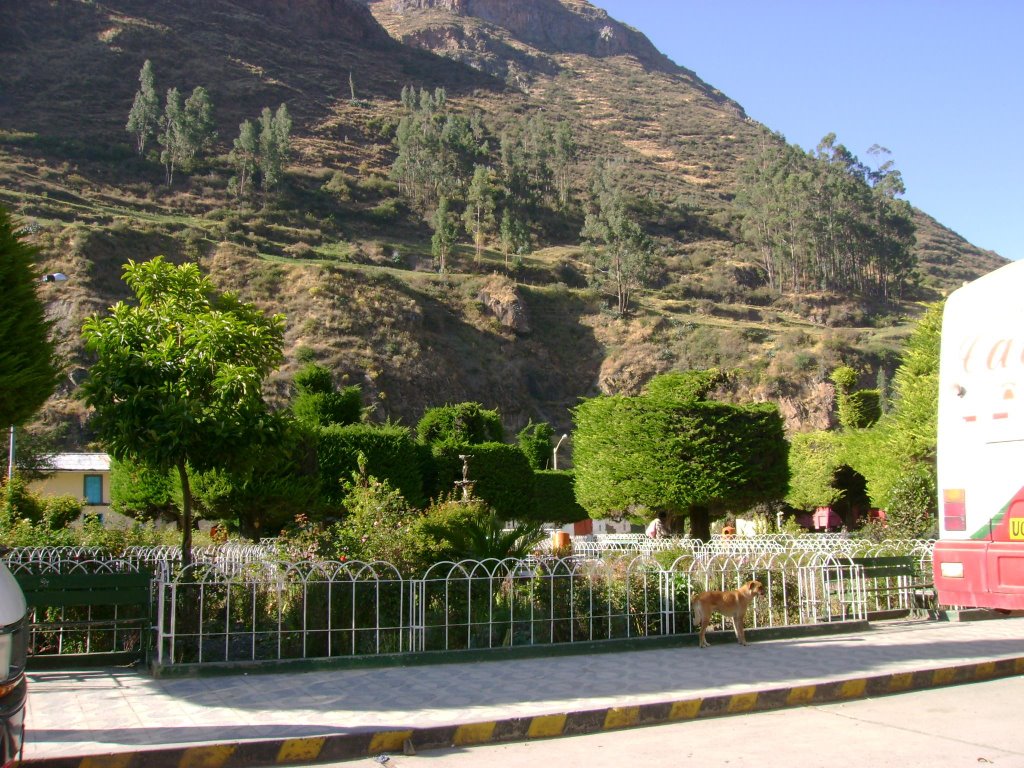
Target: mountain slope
<point>347,259</point>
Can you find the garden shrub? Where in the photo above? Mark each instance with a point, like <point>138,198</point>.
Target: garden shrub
<point>390,455</point>
<point>535,443</point>
<point>461,423</point>
<point>319,404</point>
<point>555,492</point>
<point>500,473</point>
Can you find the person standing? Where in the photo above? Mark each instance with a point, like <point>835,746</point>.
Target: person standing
<point>656,528</point>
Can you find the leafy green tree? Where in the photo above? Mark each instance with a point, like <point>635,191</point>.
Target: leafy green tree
<point>903,442</point>
<point>479,214</point>
<point>29,370</point>
<point>469,423</point>
<point>826,221</point>
<point>445,234</point>
<point>244,158</point>
<point>198,126</point>
<point>187,130</point>
<point>535,443</point>
<point>261,495</point>
<point>318,403</point>
<point>172,136</point>
<point>676,453</point>
<point>177,382</point>
<point>563,160</point>
<point>144,116</point>
<point>513,234</point>
<point>274,145</point>
<point>141,492</point>
<point>624,254</point>
<point>555,490</point>
<point>436,149</point>
<point>814,459</point>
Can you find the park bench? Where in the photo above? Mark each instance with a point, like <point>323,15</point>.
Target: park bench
<point>95,618</point>
<point>895,582</point>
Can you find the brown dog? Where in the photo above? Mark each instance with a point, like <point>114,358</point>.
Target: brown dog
<point>731,603</point>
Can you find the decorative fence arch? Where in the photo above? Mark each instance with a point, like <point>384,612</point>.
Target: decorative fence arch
<point>240,603</point>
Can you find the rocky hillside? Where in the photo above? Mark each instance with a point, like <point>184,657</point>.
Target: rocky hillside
<point>345,256</point>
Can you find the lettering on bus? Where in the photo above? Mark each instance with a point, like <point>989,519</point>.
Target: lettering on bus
<point>991,354</point>
<point>1017,528</point>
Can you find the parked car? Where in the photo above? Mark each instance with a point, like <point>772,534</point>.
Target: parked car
<point>13,687</point>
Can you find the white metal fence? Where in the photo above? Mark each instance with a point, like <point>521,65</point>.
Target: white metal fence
<point>239,603</point>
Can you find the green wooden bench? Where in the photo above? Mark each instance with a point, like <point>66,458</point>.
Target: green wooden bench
<point>101,618</point>
<point>895,576</point>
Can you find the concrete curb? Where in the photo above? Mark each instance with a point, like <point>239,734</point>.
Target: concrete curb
<point>349,746</point>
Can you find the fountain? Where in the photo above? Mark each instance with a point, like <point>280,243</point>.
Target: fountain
<point>465,484</point>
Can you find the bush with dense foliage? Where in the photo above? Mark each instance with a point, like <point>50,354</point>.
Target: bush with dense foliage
<point>474,532</point>
<point>669,450</point>
<point>318,403</point>
<point>143,493</point>
<point>19,504</point>
<point>555,491</point>
<point>814,459</point>
<point>388,452</point>
<point>460,423</point>
<point>500,474</point>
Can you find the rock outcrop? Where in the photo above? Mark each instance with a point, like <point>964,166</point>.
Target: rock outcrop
<point>552,26</point>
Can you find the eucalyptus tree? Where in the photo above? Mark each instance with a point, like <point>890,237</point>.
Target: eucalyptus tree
<point>623,253</point>
<point>172,134</point>
<point>186,130</point>
<point>513,234</point>
<point>563,160</point>
<point>177,380</point>
<point>480,203</point>
<point>144,117</point>
<point>274,145</point>
<point>445,234</point>
<point>244,157</point>
<point>826,221</point>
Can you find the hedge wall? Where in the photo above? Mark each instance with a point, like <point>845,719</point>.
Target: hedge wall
<point>555,492</point>
<point>503,477</point>
<point>391,455</point>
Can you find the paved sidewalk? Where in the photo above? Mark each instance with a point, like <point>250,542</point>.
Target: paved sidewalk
<point>252,719</point>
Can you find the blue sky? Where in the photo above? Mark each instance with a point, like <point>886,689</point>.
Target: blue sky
<point>940,83</point>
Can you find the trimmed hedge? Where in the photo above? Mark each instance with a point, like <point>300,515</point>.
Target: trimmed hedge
<point>555,492</point>
<point>502,476</point>
<point>391,455</point>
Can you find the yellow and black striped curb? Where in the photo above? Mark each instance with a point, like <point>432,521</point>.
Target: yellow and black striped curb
<point>349,746</point>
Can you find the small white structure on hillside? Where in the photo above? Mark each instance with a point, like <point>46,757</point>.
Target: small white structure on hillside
<point>85,476</point>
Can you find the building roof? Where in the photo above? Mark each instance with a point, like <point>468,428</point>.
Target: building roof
<point>80,462</point>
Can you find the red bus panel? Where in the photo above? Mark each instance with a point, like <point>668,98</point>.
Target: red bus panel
<point>987,574</point>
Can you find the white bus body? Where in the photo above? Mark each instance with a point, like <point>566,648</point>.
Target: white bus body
<point>979,560</point>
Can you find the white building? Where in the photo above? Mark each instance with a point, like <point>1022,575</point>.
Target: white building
<point>85,476</point>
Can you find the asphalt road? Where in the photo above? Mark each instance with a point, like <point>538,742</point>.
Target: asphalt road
<point>953,727</point>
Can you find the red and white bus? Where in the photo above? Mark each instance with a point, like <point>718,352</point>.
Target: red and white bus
<point>979,559</point>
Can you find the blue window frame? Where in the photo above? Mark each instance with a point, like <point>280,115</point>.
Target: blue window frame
<point>94,489</point>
